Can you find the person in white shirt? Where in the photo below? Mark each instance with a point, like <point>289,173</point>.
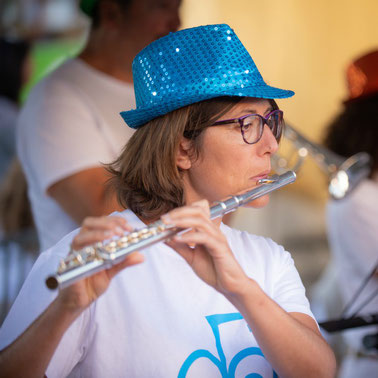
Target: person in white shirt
<point>207,303</point>
<point>353,221</point>
<point>70,124</point>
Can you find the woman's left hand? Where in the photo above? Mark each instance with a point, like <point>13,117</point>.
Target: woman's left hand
<point>205,248</point>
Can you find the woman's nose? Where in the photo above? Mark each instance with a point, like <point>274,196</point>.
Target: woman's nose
<point>268,142</point>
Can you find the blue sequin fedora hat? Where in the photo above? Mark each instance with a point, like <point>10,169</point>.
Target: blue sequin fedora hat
<point>193,65</point>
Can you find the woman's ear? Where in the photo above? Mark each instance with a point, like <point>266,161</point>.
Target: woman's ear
<point>183,160</point>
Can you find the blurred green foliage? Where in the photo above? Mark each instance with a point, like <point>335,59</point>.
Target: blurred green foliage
<point>46,56</point>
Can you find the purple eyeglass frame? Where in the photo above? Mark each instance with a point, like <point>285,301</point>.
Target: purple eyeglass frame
<point>240,120</point>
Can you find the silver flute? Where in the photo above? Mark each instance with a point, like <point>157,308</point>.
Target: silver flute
<point>94,258</point>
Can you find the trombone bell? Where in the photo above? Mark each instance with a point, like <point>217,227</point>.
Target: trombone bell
<point>344,174</point>
<point>349,174</point>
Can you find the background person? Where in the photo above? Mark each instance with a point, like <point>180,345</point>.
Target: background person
<point>353,221</point>
<point>70,123</point>
<point>18,244</point>
<point>15,70</point>
<point>195,139</point>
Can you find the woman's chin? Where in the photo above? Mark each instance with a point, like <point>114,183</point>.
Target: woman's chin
<point>259,202</point>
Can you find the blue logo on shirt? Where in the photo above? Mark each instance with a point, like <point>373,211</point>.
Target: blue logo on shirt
<point>214,321</point>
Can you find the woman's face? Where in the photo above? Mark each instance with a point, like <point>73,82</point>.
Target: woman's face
<point>227,165</point>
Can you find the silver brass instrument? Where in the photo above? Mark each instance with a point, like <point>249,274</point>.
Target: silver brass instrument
<point>103,255</point>
<point>344,174</point>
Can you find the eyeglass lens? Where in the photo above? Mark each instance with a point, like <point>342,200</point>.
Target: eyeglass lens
<point>253,126</point>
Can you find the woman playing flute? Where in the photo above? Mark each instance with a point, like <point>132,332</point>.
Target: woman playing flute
<point>213,301</point>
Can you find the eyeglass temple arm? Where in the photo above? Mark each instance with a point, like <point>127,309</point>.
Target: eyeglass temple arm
<point>227,121</point>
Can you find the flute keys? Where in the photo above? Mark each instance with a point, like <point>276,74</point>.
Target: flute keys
<point>122,242</point>
<point>144,234</point>
<point>161,228</point>
<point>99,245</point>
<point>79,259</point>
<point>62,266</point>
<point>90,252</point>
<point>153,231</point>
<point>107,250</point>
<point>111,247</point>
<point>133,237</point>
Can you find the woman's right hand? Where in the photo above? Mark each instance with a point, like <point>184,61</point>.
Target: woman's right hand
<point>81,294</point>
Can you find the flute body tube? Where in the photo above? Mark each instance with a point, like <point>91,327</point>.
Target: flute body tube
<point>103,255</point>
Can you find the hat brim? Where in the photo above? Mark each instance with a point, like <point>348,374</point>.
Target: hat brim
<point>138,117</point>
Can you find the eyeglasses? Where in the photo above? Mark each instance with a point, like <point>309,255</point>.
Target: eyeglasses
<point>252,125</point>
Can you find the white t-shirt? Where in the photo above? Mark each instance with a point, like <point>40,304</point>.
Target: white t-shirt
<point>158,319</point>
<point>69,123</point>
<point>353,235</point>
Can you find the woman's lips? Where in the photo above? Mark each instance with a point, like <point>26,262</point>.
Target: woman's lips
<point>260,176</point>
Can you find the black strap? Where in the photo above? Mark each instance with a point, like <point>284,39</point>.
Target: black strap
<point>358,292</point>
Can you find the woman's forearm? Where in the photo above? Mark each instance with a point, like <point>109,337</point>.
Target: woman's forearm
<point>30,354</point>
<point>290,342</point>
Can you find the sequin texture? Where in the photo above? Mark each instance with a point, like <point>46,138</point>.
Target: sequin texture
<point>192,65</point>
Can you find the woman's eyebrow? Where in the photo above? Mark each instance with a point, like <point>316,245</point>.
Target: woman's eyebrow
<point>254,111</point>
<point>270,109</point>
<point>248,111</point>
